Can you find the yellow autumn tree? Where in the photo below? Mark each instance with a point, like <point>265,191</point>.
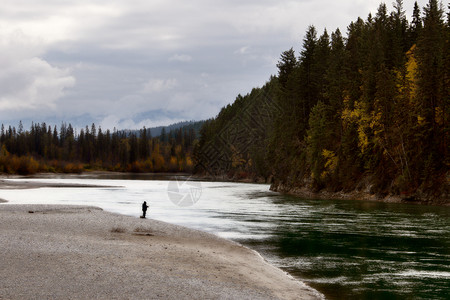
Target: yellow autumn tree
<point>360,116</point>
<point>157,159</point>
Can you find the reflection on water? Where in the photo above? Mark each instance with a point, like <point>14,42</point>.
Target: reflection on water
<point>350,249</point>
<point>345,249</point>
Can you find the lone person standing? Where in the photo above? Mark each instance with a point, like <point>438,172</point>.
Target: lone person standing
<point>144,208</point>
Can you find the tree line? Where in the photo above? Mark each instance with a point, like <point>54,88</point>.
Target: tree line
<point>367,109</point>
<point>47,149</point>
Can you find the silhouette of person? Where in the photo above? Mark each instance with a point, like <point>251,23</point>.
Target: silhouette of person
<point>144,208</point>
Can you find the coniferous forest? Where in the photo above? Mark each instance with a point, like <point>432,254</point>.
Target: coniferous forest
<point>365,110</point>
<point>45,149</point>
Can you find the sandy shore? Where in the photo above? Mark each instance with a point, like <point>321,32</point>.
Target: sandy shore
<point>70,252</point>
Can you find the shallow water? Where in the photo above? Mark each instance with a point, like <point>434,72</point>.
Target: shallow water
<point>345,249</point>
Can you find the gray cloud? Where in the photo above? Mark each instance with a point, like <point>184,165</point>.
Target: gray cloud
<point>27,82</point>
<point>181,58</point>
<point>128,64</point>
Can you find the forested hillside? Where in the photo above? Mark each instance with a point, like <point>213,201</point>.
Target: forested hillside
<point>234,143</point>
<point>368,110</point>
<point>164,130</point>
<point>45,149</point>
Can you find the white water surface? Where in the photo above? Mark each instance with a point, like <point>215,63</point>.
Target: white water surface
<point>126,196</point>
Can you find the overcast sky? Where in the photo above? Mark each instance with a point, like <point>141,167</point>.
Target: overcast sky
<point>130,63</point>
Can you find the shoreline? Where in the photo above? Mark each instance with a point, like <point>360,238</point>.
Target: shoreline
<point>357,195</point>
<point>360,195</point>
<point>7,184</point>
<point>106,255</point>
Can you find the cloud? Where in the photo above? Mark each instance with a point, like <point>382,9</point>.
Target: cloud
<point>243,50</point>
<point>28,82</point>
<point>113,121</point>
<point>159,85</point>
<point>181,58</point>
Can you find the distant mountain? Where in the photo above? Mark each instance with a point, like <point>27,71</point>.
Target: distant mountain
<point>186,125</point>
<point>196,125</point>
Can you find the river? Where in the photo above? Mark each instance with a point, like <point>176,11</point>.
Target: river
<point>345,249</point>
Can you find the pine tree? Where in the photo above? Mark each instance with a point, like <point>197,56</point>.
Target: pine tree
<point>163,136</point>
<point>356,54</point>
<point>446,93</point>
<point>319,141</point>
<point>143,144</point>
<point>416,25</point>
<point>286,67</point>
<point>336,72</point>
<point>398,42</point>
<point>322,64</point>
<point>309,77</point>
<point>431,96</point>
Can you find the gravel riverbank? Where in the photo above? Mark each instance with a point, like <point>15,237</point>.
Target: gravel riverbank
<point>71,252</point>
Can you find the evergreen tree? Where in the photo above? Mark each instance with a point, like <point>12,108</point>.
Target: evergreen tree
<point>335,74</point>
<point>286,67</point>
<point>398,42</point>
<point>416,25</point>
<point>321,158</point>
<point>163,136</point>
<point>322,64</point>
<point>309,77</point>
<point>431,92</point>
<point>355,56</point>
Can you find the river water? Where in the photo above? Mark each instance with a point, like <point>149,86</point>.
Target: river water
<point>345,249</point>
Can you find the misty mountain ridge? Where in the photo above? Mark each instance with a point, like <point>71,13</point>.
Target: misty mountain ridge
<point>156,131</point>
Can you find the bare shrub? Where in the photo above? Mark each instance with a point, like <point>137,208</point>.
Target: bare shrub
<point>118,229</point>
